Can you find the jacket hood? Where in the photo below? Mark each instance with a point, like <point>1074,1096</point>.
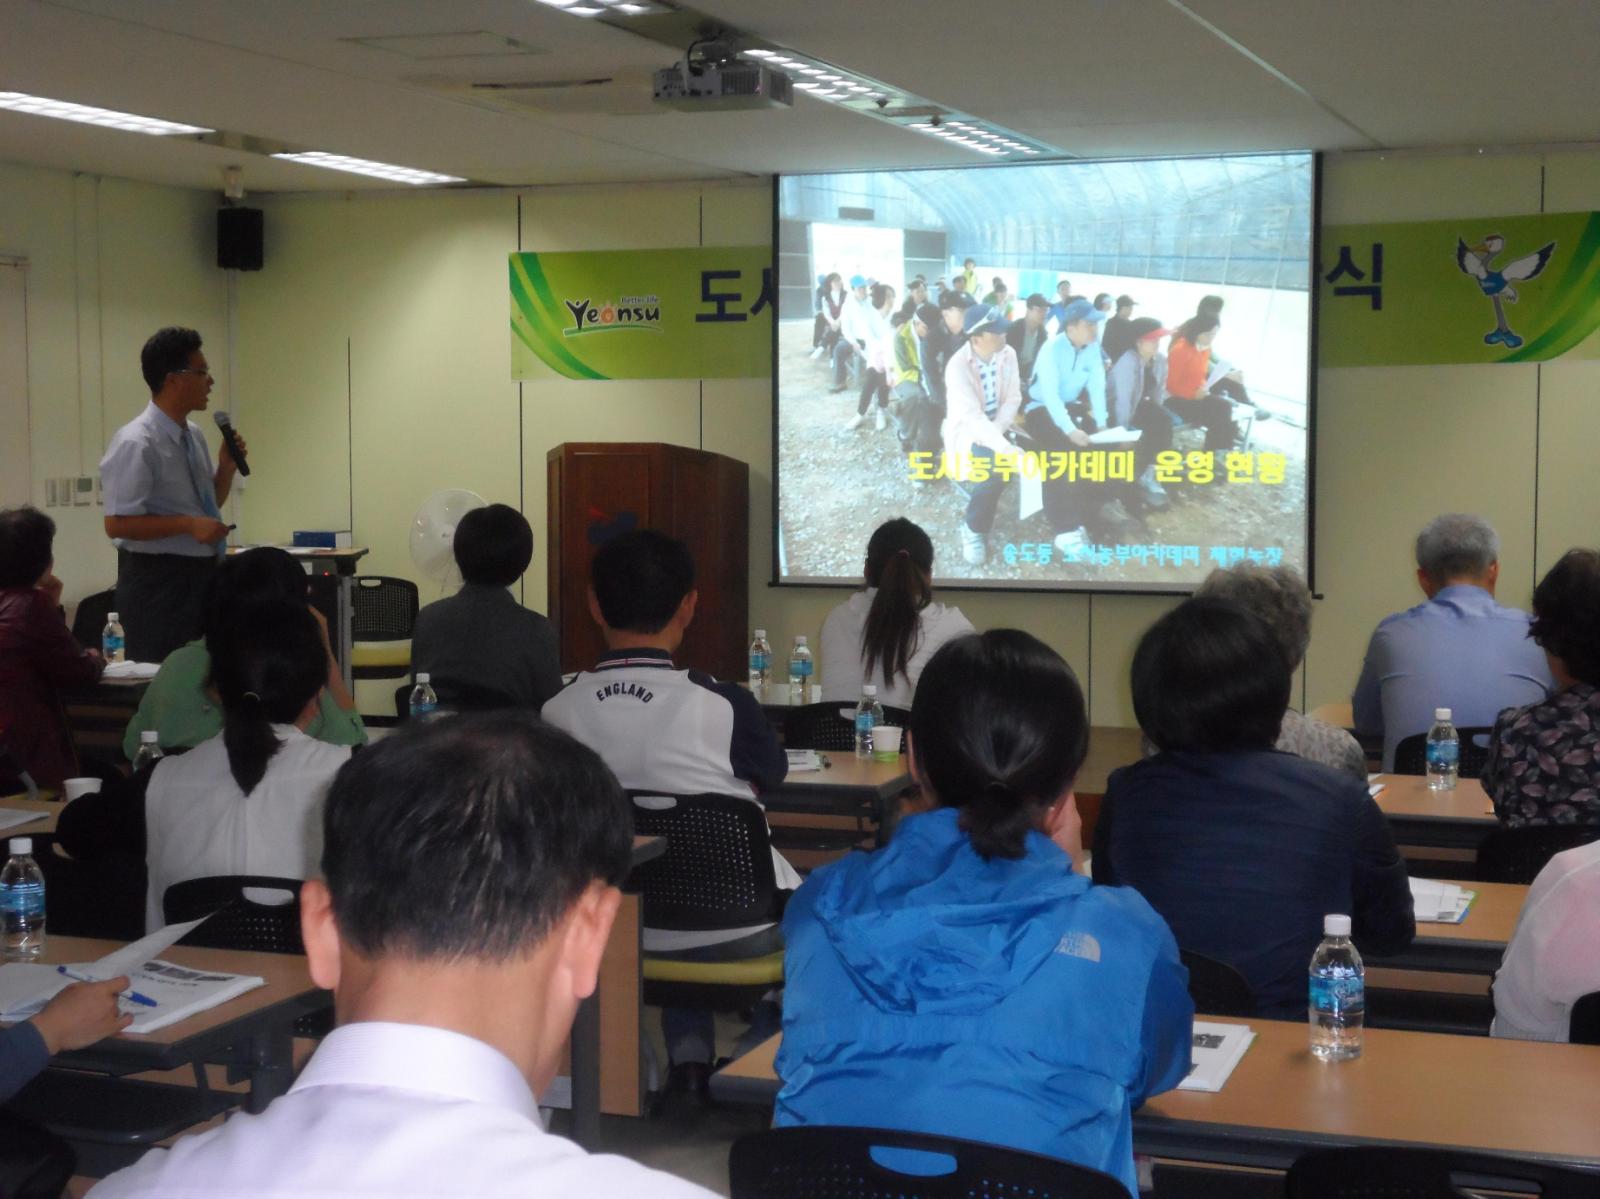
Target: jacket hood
<point>930,927</point>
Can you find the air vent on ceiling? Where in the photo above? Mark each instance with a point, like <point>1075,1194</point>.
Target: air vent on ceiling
<point>622,93</point>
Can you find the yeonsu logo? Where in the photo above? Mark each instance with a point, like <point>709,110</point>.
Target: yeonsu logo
<point>604,316</point>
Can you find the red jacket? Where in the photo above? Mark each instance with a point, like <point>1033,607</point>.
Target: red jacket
<point>38,657</point>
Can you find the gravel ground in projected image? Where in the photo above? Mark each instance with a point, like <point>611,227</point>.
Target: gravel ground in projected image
<point>837,486</point>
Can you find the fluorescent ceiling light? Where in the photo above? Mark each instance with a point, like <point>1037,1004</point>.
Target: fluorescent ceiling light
<point>584,10</point>
<point>85,114</point>
<point>363,166</point>
<point>761,54</point>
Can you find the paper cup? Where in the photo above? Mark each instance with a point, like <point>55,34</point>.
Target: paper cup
<point>72,788</point>
<point>886,742</point>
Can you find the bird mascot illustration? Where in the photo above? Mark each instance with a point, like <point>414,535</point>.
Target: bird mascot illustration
<point>1496,282</point>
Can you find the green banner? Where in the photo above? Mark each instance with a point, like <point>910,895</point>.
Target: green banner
<point>697,313</point>
<point>1484,289</point>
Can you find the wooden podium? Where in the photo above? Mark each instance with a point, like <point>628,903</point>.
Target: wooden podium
<point>600,489</point>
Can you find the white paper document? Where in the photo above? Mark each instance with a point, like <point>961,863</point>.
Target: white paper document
<point>176,992</point>
<point>1375,784</point>
<point>1114,436</point>
<point>803,760</point>
<point>1440,903</point>
<point>132,670</point>
<point>14,817</point>
<point>1217,1050</point>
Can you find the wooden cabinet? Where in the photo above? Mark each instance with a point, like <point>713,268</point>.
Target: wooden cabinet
<point>600,489</point>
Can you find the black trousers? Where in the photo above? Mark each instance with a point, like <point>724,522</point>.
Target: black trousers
<point>1068,505</point>
<point>34,1164</point>
<point>161,601</point>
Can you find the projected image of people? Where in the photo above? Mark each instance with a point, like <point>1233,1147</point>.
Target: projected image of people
<point>1084,375</point>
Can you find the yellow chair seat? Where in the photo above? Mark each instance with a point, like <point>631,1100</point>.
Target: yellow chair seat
<point>395,654</point>
<point>746,972</point>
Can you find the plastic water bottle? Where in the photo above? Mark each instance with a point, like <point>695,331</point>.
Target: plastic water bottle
<point>760,664</point>
<point>1444,752</point>
<point>113,644</point>
<point>1338,994</point>
<point>22,902</point>
<point>424,703</point>
<point>800,668</point>
<point>149,750</point>
<point>869,715</point>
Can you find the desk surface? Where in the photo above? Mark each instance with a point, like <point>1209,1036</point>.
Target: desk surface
<point>1407,797</point>
<point>1520,1097</point>
<point>849,773</point>
<point>1492,918</point>
<point>285,976</point>
<point>34,828</point>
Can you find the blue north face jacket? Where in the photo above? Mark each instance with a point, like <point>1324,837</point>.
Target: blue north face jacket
<point>1011,1002</point>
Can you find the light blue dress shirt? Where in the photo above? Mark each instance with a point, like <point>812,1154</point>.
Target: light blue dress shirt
<point>1460,650</point>
<point>1060,372</point>
<point>156,467</point>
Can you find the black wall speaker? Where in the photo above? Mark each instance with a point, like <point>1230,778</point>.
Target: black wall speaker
<point>239,245</point>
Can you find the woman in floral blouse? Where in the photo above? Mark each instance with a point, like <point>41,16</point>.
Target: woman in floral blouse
<point>1544,760</point>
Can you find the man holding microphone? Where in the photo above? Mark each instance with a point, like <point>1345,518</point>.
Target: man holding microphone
<point>164,500</point>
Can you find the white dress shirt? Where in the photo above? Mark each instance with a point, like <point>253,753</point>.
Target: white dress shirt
<point>392,1110</point>
<point>842,673</point>
<point>198,823</point>
<point>1554,956</point>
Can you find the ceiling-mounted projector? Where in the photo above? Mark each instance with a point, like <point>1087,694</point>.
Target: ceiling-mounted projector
<point>722,87</point>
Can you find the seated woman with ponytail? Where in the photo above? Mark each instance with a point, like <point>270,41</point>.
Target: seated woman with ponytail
<point>249,800</point>
<point>887,633</point>
<point>966,980</point>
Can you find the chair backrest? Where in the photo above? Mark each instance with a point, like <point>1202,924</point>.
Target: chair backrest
<point>1583,1027</point>
<point>717,870</point>
<point>89,621</point>
<point>1411,753</point>
<point>382,608</point>
<point>1516,855</point>
<point>455,697</point>
<point>848,1163</point>
<point>236,920</point>
<point>830,725</point>
<point>1216,987</point>
<point>1363,1171</point>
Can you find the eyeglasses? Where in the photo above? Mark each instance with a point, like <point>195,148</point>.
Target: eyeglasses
<point>188,370</point>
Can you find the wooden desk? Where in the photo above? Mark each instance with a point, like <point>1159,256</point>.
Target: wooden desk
<point>1476,945</point>
<point>98,716</point>
<point>255,1024</point>
<point>848,785</point>
<point>1458,819</point>
<point>51,808</point>
<point>1524,1098</point>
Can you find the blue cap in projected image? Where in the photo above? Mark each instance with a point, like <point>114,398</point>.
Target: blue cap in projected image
<point>857,281</point>
<point>984,318</point>
<point>1081,310</point>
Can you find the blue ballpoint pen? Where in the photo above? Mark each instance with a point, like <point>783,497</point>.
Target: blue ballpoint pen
<point>84,978</point>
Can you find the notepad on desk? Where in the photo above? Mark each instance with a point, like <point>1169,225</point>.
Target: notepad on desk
<point>1375,784</point>
<point>15,817</point>
<point>1216,1050</point>
<point>803,760</point>
<point>1440,903</point>
<point>172,992</point>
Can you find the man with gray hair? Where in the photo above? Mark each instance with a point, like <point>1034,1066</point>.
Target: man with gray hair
<point>1279,597</point>
<point>1460,650</point>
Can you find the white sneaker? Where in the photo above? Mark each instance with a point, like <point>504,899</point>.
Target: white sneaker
<point>974,547</point>
<point>817,352</point>
<point>855,422</point>
<point>878,421</point>
<point>1072,543</point>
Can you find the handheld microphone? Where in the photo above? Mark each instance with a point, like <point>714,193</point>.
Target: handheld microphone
<point>232,438</point>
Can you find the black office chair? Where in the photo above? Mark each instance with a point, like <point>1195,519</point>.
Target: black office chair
<point>237,921</point>
<point>1365,1171</point>
<point>89,621</point>
<point>1516,855</point>
<point>383,614</point>
<point>715,874</point>
<point>1583,1027</point>
<point>454,697</point>
<point>821,1162</point>
<point>1411,753</point>
<point>830,726</point>
<point>1216,987</point>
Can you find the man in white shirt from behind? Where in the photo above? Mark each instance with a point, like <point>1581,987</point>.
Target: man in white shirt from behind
<point>1554,956</point>
<point>471,868</point>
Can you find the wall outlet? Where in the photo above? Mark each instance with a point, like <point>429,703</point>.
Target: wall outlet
<point>83,491</point>
<point>64,491</point>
